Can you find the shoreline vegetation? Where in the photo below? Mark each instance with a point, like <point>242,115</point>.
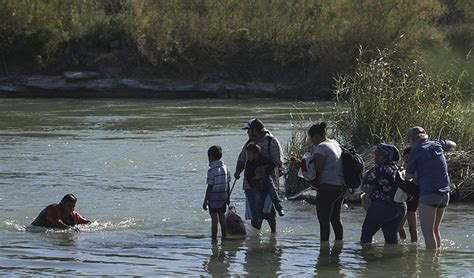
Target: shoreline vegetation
<point>295,44</point>
<point>390,64</point>
<point>385,97</point>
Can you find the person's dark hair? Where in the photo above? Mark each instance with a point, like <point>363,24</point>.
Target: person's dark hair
<point>69,198</point>
<point>406,151</point>
<point>319,129</point>
<point>215,152</point>
<point>253,148</point>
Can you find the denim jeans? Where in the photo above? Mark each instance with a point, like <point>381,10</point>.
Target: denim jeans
<point>267,187</point>
<point>386,215</point>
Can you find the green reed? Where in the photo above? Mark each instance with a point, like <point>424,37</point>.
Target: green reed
<point>387,95</point>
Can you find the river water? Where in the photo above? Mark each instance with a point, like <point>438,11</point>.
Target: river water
<point>138,168</point>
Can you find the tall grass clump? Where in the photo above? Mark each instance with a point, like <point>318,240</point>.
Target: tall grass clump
<point>387,95</point>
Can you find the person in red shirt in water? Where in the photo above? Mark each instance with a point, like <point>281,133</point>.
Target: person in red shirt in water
<point>61,216</point>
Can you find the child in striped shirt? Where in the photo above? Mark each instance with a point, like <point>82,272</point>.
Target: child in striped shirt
<point>217,193</point>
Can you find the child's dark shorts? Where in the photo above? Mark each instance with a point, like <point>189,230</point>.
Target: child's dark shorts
<point>412,205</point>
<point>218,210</point>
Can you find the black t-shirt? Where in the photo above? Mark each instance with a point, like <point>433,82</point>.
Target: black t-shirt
<point>252,165</point>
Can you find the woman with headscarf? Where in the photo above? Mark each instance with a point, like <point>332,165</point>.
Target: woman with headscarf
<point>427,160</point>
<point>383,213</point>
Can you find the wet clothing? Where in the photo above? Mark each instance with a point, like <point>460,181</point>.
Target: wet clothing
<point>332,171</point>
<point>331,190</point>
<point>270,148</point>
<point>52,214</point>
<point>427,159</point>
<point>218,178</point>
<point>383,213</point>
<point>436,200</point>
<point>257,204</point>
<point>264,183</point>
<point>386,215</point>
<point>328,207</point>
<point>266,186</point>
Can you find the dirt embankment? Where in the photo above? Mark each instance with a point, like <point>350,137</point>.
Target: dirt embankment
<point>95,85</point>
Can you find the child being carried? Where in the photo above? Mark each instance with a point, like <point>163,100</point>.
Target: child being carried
<point>257,172</point>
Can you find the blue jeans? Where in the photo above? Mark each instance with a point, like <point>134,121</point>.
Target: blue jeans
<point>386,215</point>
<point>267,187</point>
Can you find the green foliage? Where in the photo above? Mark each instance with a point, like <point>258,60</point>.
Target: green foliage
<point>387,96</point>
<point>293,39</point>
<point>299,142</point>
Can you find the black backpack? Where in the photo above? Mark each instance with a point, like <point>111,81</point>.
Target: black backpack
<point>410,188</point>
<point>352,168</point>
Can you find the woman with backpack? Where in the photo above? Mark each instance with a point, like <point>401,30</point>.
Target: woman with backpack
<point>329,183</point>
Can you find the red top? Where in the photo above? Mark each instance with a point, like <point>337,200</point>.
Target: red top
<point>53,214</point>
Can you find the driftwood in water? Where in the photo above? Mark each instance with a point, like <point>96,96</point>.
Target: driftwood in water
<point>459,166</point>
<point>297,188</point>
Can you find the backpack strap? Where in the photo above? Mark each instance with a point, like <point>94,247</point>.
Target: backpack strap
<point>270,139</point>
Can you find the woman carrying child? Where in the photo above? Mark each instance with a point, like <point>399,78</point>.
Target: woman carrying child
<point>329,183</point>
<point>383,213</point>
<point>258,171</point>
<point>270,149</point>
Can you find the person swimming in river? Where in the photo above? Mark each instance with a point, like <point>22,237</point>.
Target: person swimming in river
<point>257,172</point>
<point>60,216</point>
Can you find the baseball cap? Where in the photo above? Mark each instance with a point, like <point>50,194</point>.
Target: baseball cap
<point>255,124</point>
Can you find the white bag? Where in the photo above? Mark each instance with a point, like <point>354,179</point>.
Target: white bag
<point>307,167</point>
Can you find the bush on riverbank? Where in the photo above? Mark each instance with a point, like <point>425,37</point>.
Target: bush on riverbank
<point>298,41</point>
<point>388,95</point>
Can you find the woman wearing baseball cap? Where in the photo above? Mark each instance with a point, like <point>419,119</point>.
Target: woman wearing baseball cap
<point>427,159</point>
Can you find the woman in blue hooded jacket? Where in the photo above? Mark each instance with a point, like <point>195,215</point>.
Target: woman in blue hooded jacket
<point>428,161</point>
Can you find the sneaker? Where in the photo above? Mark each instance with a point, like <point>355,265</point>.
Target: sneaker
<point>281,213</point>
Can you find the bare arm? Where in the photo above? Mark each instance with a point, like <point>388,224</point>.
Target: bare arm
<point>319,161</point>
<point>54,220</point>
<point>60,224</point>
<point>81,219</point>
<point>206,197</point>
<point>238,169</point>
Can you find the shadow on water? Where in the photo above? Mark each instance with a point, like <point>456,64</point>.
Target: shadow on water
<point>261,257</point>
<point>329,261</point>
<point>401,260</point>
<point>222,257</point>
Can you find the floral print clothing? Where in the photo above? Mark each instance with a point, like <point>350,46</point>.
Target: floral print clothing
<point>380,180</point>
